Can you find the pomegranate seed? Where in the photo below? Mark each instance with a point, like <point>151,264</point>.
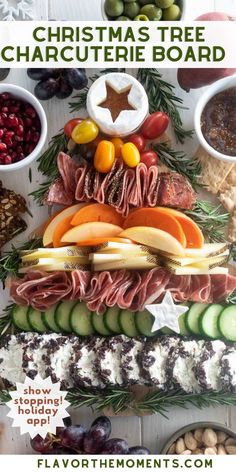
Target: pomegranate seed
<point>28,136</point>
<point>28,122</point>
<point>19,149</point>
<point>12,121</point>
<point>14,109</point>
<point>20,130</point>
<point>13,155</point>
<point>3,147</point>
<point>5,96</point>
<point>36,137</point>
<point>20,156</point>
<point>8,160</point>
<point>5,109</point>
<point>30,111</point>
<point>18,139</point>
<point>1,133</point>
<point>9,134</point>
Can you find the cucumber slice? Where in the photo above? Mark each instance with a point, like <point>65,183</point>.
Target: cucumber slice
<point>193,315</point>
<point>127,323</point>
<point>111,319</point>
<point>49,319</point>
<point>35,320</point>
<point>208,321</point>
<point>98,322</point>
<point>62,316</point>
<point>19,318</point>
<point>227,323</point>
<point>81,320</point>
<point>144,322</point>
<point>166,330</point>
<point>184,331</point>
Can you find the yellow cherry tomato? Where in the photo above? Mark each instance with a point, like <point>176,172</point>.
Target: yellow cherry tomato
<point>118,143</point>
<point>85,132</point>
<point>104,156</point>
<point>130,155</point>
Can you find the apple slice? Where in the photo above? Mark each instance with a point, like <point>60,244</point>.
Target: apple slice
<point>69,211</point>
<point>154,238</point>
<point>88,231</point>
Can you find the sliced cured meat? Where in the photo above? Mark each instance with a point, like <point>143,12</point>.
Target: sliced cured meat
<point>123,188</point>
<point>222,286</point>
<point>128,289</point>
<point>42,290</point>
<point>175,191</point>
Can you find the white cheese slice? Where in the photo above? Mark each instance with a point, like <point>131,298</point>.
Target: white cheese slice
<point>11,362</point>
<point>228,370</point>
<point>129,120</point>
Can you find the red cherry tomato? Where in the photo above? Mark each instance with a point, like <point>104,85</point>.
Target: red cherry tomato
<point>138,140</point>
<point>70,125</point>
<point>149,158</point>
<point>155,125</point>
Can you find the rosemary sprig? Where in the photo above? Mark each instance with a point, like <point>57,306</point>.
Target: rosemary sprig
<point>161,96</point>
<point>153,402</point>
<point>10,260</point>
<point>47,161</point>
<point>210,219</point>
<point>5,319</point>
<point>81,99</point>
<point>4,397</point>
<point>179,162</point>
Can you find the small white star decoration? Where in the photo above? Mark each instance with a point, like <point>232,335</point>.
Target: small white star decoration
<point>21,11</point>
<point>166,313</point>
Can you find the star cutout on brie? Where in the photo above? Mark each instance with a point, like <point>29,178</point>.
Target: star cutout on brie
<point>166,313</point>
<point>116,102</point>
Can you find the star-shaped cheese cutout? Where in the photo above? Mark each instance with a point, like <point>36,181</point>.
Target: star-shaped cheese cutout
<point>116,102</point>
<point>166,313</point>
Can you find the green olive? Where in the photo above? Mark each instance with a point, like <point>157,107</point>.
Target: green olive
<point>141,18</point>
<point>114,7</point>
<point>164,3</point>
<point>152,12</point>
<point>172,13</point>
<point>122,18</point>
<point>131,9</point>
<point>145,2</point>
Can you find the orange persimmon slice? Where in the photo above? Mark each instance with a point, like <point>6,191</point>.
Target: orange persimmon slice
<point>99,212</point>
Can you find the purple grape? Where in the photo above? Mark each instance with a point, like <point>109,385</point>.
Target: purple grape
<point>73,437</point>
<point>97,435</point>
<point>46,89</point>
<point>4,73</point>
<point>41,445</point>
<point>40,74</point>
<point>59,450</point>
<point>65,89</point>
<point>76,78</point>
<point>115,446</point>
<point>139,450</point>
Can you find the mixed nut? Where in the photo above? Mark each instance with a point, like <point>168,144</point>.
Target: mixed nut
<point>204,441</point>
<point>11,206</point>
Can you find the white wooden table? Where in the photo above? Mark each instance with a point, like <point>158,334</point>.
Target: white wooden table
<point>151,431</point>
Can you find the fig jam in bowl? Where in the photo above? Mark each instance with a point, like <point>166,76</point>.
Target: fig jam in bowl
<point>23,128</point>
<point>215,119</point>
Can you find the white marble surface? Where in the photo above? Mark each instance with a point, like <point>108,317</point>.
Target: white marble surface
<point>151,431</point>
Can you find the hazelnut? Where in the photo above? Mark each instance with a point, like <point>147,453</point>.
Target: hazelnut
<point>230,442</point>
<point>221,437</point>
<point>190,441</point>
<point>230,449</point>
<point>210,451</point>
<point>198,435</point>
<point>209,437</point>
<point>180,446</point>
<point>172,449</point>
<point>197,452</point>
<point>221,450</point>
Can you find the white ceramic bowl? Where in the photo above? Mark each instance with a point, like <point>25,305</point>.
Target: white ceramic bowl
<point>182,4</point>
<point>210,92</point>
<point>24,95</point>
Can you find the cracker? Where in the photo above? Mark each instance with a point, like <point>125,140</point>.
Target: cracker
<point>214,172</point>
<point>232,228</point>
<point>228,198</point>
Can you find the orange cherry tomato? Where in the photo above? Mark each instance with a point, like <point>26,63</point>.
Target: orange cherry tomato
<point>130,155</point>
<point>118,143</point>
<point>104,156</point>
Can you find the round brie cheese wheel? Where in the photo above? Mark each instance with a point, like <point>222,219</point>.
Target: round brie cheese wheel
<point>118,103</point>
